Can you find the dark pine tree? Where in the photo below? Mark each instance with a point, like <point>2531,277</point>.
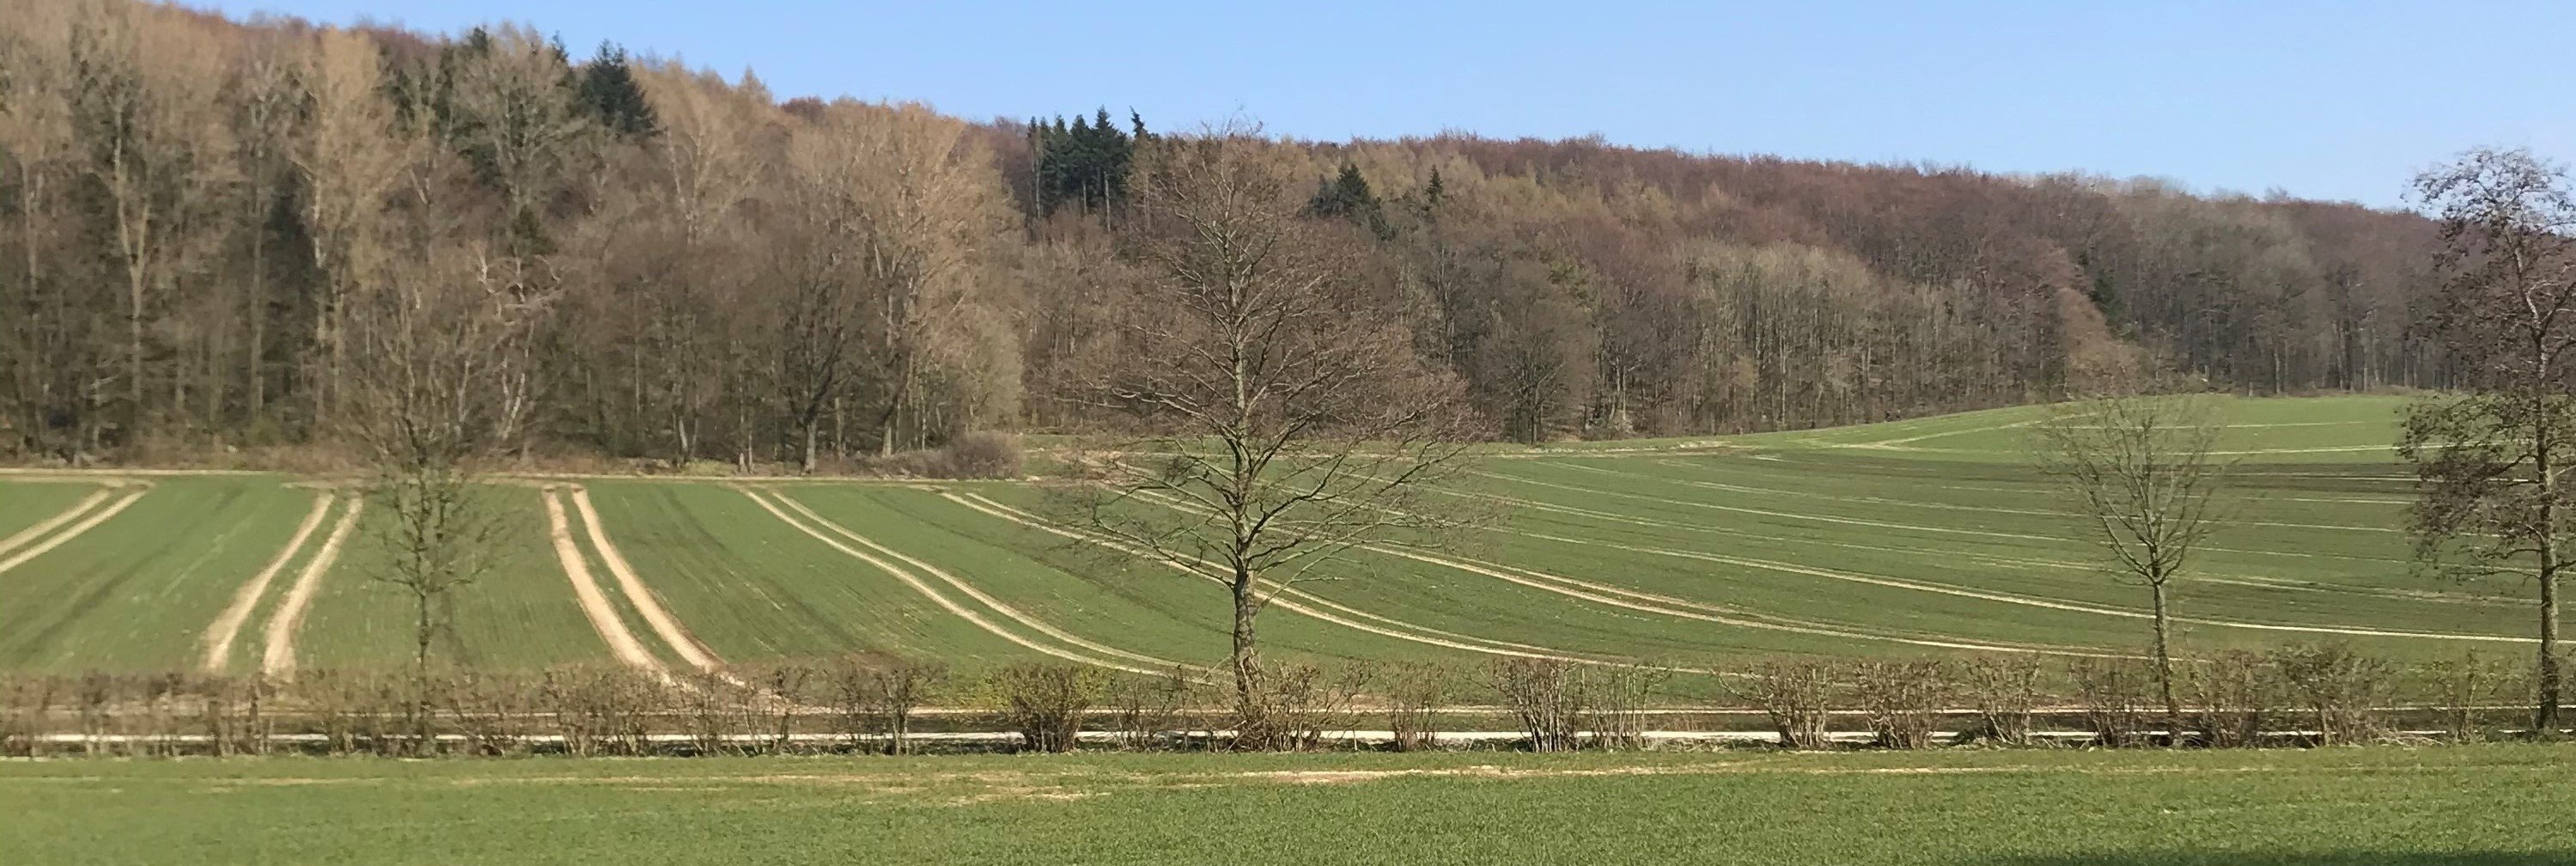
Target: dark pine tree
<point>608,88</point>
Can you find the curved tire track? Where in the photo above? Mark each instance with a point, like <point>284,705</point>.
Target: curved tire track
<point>278,658</point>
<point>49,524</point>
<point>593,601</point>
<point>677,636</point>
<point>997,605</point>
<point>227,625</point>
<point>944,602</point>
<point>86,523</point>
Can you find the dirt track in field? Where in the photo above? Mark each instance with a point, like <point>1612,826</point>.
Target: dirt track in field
<point>227,625</point>
<point>668,627</point>
<point>943,601</point>
<point>997,605</point>
<point>67,515</point>
<point>88,520</point>
<point>594,602</point>
<point>278,657</point>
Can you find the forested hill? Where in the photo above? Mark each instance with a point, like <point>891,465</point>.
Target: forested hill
<point>206,226</point>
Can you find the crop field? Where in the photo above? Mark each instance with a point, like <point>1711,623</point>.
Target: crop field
<point>2333,807</point>
<point>1914,537</point>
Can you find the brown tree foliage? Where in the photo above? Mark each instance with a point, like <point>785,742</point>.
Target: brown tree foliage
<point>188,207</point>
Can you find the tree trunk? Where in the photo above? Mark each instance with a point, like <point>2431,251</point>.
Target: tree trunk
<point>1251,723</point>
<point>2544,464</point>
<point>2164,666</point>
<point>2544,720</point>
<point>810,433</point>
<point>420,741</point>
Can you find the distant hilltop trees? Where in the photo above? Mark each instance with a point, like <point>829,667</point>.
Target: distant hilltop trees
<point>205,224</point>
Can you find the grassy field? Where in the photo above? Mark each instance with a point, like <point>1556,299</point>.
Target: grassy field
<point>1905,538</point>
<point>2449,806</point>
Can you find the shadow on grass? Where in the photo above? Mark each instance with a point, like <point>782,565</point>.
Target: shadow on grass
<point>2351,858</point>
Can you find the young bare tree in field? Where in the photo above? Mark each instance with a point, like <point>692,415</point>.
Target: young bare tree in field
<point>2142,469</point>
<point>1285,416</point>
<point>2491,460</point>
<point>433,338</point>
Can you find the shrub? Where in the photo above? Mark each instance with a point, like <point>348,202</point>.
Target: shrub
<point>1044,701</point>
<point>1614,701</point>
<point>1141,710</point>
<point>2238,696</point>
<point>2462,686</point>
<point>2341,689</point>
<point>1544,695</point>
<point>973,455</point>
<point>2113,694</point>
<point>1414,690</point>
<point>1797,694</point>
<point>1904,700</point>
<point>2003,689</point>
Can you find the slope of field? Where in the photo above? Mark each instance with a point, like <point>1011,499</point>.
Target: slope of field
<point>1914,537</point>
<point>519,612</point>
<point>135,590</point>
<point>751,585</point>
<point>27,505</point>
<point>2337,807</point>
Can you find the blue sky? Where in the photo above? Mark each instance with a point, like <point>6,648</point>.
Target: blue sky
<point>2323,100</point>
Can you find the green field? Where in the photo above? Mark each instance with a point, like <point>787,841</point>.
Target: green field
<point>1905,538</point>
<point>2449,806</point>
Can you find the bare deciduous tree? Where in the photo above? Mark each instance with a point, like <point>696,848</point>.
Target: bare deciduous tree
<point>2142,470</point>
<point>433,337</point>
<point>350,159</point>
<point>2491,460</point>
<point>1285,418</point>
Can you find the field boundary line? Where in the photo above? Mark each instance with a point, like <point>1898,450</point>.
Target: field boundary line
<point>228,624</point>
<point>68,514</point>
<point>76,530</point>
<point>1281,597</point>
<point>944,602</point>
<point>987,600</point>
<point>278,659</point>
<point>648,605</point>
<point>593,601</point>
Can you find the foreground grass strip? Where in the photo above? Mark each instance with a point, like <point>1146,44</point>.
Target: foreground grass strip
<point>74,531</point>
<point>647,604</point>
<point>997,605</point>
<point>1293,600</point>
<point>279,658</point>
<point>944,602</point>
<point>594,602</point>
<point>227,625</point>
<point>2381,806</point>
<point>67,515</point>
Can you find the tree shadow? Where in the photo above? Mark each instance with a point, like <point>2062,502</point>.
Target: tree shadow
<point>2333,858</point>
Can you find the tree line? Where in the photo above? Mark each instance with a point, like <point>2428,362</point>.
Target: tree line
<point>209,229</point>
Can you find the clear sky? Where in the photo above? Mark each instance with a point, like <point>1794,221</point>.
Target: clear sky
<point>2323,100</point>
